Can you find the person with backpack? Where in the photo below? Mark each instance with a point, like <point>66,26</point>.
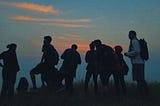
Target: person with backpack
<point>91,68</point>
<point>105,62</point>
<point>46,67</point>
<point>10,68</point>
<point>120,70</point>
<point>71,59</point>
<point>138,63</point>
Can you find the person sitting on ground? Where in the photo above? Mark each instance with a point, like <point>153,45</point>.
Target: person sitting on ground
<point>22,85</point>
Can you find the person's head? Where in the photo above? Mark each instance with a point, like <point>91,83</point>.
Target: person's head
<point>12,46</point>
<point>97,42</point>
<point>132,34</point>
<point>118,49</point>
<point>74,46</point>
<point>47,39</point>
<point>92,45</point>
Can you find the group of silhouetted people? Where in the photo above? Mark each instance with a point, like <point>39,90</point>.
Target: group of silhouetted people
<point>102,60</point>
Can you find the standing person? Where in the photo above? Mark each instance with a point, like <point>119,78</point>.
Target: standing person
<point>10,68</point>
<point>119,70</point>
<point>46,67</point>
<point>105,60</point>
<point>90,58</point>
<point>71,59</point>
<point>137,63</point>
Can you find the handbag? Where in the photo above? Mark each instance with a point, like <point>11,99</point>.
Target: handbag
<point>125,68</point>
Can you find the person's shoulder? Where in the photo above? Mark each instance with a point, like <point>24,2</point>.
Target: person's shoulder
<point>88,51</point>
<point>69,49</point>
<point>51,46</point>
<point>135,40</point>
<point>107,47</point>
<point>66,51</point>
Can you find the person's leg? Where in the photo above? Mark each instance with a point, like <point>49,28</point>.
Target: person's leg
<point>10,89</point>
<point>138,70</point>
<point>11,83</point>
<point>95,75</point>
<point>4,90</point>
<point>87,78</point>
<point>142,82</point>
<point>123,84</point>
<point>69,83</point>
<point>42,80</point>
<point>37,70</point>
<point>116,82</point>
<point>33,79</point>
<point>104,77</point>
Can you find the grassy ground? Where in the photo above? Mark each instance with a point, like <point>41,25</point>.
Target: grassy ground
<point>42,97</point>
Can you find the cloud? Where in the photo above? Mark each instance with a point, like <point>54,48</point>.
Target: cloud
<point>26,18</point>
<point>66,25</point>
<point>71,38</point>
<point>32,7</point>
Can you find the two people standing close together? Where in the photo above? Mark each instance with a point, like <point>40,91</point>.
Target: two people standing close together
<point>102,60</point>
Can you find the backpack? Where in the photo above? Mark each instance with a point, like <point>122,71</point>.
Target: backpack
<point>121,65</point>
<point>107,55</point>
<point>144,49</point>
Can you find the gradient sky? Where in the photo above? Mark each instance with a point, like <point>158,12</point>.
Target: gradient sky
<point>78,21</point>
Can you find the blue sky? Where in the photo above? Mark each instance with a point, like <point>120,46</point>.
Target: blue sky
<point>78,21</point>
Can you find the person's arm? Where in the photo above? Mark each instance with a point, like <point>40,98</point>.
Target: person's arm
<point>1,57</point>
<point>43,57</point>
<point>44,53</point>
<point>79,62</point>
<point>87,57</point>
<point>63,56</point>
<point>1,65</point>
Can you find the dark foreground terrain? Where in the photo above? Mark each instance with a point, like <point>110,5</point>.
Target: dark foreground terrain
<point>42,97</point>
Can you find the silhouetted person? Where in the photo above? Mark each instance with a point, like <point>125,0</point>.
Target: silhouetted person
<point>118,70</point>
<point>46,67</point>
<point>105,60</point>
<point>22,85</point>
<point>68,69</point>
<point>10,68</point>
<point>137,63</point>
<point>92,68</point>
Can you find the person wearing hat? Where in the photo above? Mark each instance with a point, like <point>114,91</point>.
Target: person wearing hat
<point>10,68</point>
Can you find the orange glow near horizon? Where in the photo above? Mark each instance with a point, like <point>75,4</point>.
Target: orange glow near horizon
<point>62,42</point>
<point>27,18</point>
